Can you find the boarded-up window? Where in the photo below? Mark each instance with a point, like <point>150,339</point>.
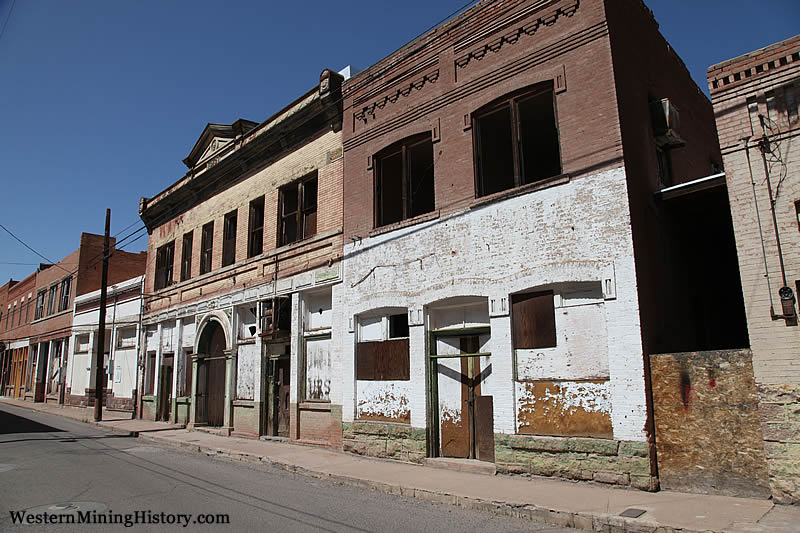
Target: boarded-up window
<point>534,320</point>
<point>384,356</point>
<point>383,360</point>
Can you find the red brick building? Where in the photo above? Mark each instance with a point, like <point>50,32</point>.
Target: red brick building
<point>531,195</point>
<point>756,106</point>
<point>42,309</point>
<point>15,332</point>
<point>242,274</point>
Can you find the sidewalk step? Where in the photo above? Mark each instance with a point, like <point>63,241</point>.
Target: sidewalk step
<point>461,465</point>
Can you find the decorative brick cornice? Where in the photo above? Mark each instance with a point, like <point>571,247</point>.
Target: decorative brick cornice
<point>368,112</point>
<point>513,36</point>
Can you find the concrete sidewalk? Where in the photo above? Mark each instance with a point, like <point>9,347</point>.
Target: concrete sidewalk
<point>581,505</point>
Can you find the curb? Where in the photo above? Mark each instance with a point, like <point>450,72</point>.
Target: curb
<point>599,522</point>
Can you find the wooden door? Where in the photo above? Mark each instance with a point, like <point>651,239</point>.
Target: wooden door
<point>283,367</point>
<point>215,392</point>
<point>165,388</point>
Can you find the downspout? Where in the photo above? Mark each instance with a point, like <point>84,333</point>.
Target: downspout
<point>786,294</point>
<point>136,396</point>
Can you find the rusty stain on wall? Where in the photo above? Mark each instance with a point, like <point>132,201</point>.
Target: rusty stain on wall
<point>455,434</point>
<point>565,408</point>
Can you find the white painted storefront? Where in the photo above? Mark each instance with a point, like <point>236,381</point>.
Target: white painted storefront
<point>461,271</point>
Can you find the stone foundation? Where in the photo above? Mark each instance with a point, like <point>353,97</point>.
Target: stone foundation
<point>384,439</point>
<point>779,407</point>
<point>604,460</point>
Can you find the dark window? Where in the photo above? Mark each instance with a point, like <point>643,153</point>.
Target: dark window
<point>404,180</point>
<point>255,230</point>
<point>66,289</point>
<point>398,326</point>
<point>27,309</point>
<point>516,141</point>
<point>11,319</point>
<point>797,212</point>
<point>206,247</point>
<point>164,260</point>
<point>229,239</point>
<point>150,381</point>
<point>52,297</point>
<point>534,320</point>
<point>187,386</point>
<point>1,320</point>
<point>40,297</point>
<point>298,210</point>
<point>186,256</point>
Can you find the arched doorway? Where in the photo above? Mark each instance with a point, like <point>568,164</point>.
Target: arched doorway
<point>210,397</point>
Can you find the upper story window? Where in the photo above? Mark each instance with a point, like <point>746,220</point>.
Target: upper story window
<point>298,210</point>
<point>52,297</point>
<point>164,260</point>
<point>404,180</point>
<point>255,230</point>
<point>66,290</point>
<point>13,311</point>
<point>516,141</point>
<point>186,256</point>
<point>40,297</point>
<point>229,239</point>
<point>206,247</point>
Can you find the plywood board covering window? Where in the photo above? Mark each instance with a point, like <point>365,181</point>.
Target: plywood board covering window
<point>534,320</point>
<point>383,354</point>
<point>516,141</point>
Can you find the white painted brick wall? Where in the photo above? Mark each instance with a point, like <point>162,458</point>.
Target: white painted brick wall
<point>575,232</point>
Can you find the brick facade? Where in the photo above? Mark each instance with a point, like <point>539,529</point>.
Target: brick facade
<point>232,166</point>
<point>590,229</point>
<point>766,83</point>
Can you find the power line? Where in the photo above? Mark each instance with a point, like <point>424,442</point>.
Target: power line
<point>23,243</point>
<point>3,31</point>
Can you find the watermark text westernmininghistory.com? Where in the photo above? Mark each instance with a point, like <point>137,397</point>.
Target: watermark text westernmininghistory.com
<point>130,519</point>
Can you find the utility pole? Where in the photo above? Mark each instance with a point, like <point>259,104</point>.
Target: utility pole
<point>99,355</point>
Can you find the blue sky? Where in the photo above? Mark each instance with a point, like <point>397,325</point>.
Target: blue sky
<point>101,100</point>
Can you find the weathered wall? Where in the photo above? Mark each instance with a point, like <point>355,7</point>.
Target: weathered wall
<point>766,82</point>
<point>602,460</point>
<point>708,434</point>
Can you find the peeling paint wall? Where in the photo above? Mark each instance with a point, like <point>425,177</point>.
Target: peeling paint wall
<point>384,401</point>
<point>581,350</point>
<point>506,247</point>
<point>564,408</point>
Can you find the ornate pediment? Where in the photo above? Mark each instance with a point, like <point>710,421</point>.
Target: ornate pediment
<point>216,137</point>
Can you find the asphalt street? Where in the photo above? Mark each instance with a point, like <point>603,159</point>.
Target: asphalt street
<point>53,469</point>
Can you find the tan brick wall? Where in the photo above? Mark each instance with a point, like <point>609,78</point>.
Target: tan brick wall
<point>266,181</point>
<point>775,343</point>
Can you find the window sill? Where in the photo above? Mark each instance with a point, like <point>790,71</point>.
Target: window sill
<point>519,191</point>
<point>433,215</point>
<point>244,403</point>
<point>315,406</point>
